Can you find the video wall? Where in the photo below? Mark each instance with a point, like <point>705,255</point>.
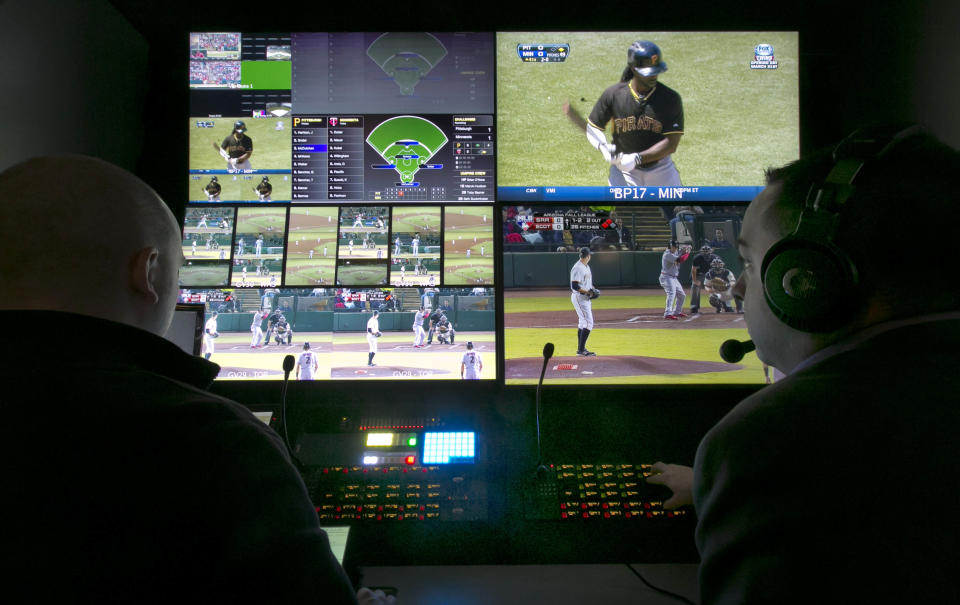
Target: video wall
<point>440,183</point>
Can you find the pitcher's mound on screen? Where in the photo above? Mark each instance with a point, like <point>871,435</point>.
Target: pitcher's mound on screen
<point>610,366</point>
<point>385,371</point>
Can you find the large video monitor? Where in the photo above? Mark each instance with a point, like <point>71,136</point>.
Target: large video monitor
<point>728,103</point>
<point>632,338</point>
<point>338,181</point>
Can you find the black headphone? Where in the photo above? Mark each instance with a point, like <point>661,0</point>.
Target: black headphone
<point>809,282</point>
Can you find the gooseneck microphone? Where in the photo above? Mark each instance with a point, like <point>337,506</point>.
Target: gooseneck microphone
<point>733,351</point>
<point>288,363</point>
<point>547,354</point>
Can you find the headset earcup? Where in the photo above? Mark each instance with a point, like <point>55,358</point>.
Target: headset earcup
<point>808,285</point>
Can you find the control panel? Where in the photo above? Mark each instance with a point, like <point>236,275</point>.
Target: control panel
<point>599,491</point>
<point>408,476</point>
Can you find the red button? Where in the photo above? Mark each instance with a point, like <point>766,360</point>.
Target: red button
<point>563,515</point>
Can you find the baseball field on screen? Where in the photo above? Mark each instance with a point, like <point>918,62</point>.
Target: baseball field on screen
<point>468,229</point>
<point>633,343</point>
<point>737,120</point>
<point>343,356</point>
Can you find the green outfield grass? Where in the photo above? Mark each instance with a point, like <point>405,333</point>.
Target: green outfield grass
<point>415,219</point>
<point>271,147</point>
<point>452,212</point>
<point>269,221</point>
<point>208,274</point>
<point>367,274</point>
<point>469,271</point>
<point>737,121</point>
<point>698,345</point>
<point>271,358</point>
<point>308,239</point>
<point>308,272</point>
<point>562,303</point>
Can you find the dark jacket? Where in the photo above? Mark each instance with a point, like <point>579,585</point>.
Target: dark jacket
<point>125,481</point>
<point>839,484</point>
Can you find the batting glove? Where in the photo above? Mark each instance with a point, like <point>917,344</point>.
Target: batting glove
<point>628,161</point>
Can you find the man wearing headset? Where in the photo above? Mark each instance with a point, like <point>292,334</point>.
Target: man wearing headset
<point>839,483</point>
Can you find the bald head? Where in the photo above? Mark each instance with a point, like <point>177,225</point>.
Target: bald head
<point>79,234</point>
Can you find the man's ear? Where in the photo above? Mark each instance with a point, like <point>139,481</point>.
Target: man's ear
<point>143,273</point>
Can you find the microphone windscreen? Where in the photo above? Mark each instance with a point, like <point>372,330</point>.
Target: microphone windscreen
<point>733,351</point>
<point>548,350</point>
<point>288,363</point>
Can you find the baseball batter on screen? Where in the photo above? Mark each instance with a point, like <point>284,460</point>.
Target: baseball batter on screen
<point>236,148</point>
<point>582,295</point>
<point>647,122</point>
<point>373,333</point>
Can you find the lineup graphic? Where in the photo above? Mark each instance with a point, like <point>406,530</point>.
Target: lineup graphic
<point>390,158</point>
<point>407,143</point>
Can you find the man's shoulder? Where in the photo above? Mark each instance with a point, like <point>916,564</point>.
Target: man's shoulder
<point>618,88</point>
<point>667,93</point>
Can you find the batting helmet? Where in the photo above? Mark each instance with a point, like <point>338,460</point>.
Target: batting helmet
<point>645,59</point>
<point>239,125</point>
<point>674,244</point>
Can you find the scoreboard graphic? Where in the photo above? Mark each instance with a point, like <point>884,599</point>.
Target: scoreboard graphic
<point>573,220</point>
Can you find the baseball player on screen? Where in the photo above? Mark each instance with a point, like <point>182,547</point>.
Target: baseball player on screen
<point>264,189</point>
<point>718,283</point>
<point>256,329</point>
<point>307,365</point>
<point>581,284</point>
<point>212,189</point>
<point>373,333</point>
<point>236,148</point>
<point>647,122</point>
<point>209,333</point>
<point>672,258</point>
<point>470,364</point>
<point>418,333</point>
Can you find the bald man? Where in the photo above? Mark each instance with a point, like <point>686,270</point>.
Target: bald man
<point>124,480</point>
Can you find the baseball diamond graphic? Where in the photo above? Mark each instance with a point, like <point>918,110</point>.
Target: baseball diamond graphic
<point>407,143</point>
<point>406,57</point>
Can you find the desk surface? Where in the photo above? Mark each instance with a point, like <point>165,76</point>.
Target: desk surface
<point>526,584</point>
